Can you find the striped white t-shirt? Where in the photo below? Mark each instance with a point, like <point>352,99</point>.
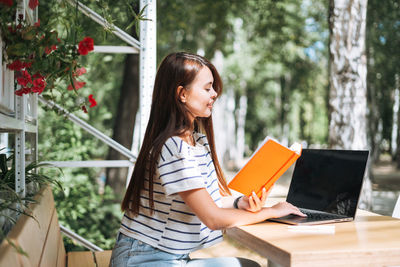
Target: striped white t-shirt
<point>173,227</point>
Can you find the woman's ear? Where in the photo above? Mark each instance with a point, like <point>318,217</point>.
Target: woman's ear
<point>181,92</point>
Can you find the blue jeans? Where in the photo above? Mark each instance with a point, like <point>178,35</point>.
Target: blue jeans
<point>132,252</point>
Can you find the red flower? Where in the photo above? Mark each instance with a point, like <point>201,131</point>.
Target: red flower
<point>26,65</point>
<point>37,75</point>
<point>39,85</point>
<point>16,65</point>
<point>50,49</point>
<point>7,2</point>
<point>84,109</point>
<point>19,65</point>
<point>37,24</point>
<point>24,79</point>
<point>47,50</point>
<point>79,72</point>
<point>85,46</point>
<point>77,85</point>
<point>19,92</point>
<point>11,29</point>
<point>93,102</point>
<point>25,90</point>
<point>33,4</point>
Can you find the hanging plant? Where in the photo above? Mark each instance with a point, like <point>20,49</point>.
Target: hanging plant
<point>39,57</point>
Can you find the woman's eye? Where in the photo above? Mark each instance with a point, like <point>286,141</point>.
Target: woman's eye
<point>208,89</point>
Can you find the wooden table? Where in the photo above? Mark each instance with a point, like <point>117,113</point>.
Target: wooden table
<point>370,240</point>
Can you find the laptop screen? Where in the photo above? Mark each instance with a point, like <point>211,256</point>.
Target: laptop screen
<point>328,180</point>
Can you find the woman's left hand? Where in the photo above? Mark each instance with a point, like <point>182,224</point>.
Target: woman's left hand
<point>253,203</point>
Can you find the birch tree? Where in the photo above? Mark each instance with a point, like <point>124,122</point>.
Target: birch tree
<point>348,72</point>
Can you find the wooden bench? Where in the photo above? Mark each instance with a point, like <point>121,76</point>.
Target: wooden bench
<point>41,239</point>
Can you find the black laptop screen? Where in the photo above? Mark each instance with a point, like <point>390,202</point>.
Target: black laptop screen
<point>328,180</point>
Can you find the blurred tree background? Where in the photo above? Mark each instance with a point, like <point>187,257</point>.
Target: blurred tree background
<point>273,58</point>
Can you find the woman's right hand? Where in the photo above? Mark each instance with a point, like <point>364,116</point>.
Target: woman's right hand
<point>284,208</point>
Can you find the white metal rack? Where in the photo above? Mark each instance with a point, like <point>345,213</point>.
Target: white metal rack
<point>18,114</point>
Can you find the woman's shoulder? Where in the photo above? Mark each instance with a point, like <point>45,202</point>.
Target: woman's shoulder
<point>200,138</point>
<point>175,146</point>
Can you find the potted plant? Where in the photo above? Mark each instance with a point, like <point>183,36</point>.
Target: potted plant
<point>12,205</point>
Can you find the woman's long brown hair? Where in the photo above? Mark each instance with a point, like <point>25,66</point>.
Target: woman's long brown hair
<point>169,117</point>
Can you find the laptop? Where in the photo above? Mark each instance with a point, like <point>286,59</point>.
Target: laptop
<point>326,185</point>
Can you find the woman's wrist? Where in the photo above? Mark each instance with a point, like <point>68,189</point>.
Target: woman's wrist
<point>236,202</point>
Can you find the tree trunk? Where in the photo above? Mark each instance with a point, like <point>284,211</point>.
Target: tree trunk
<point>284,106</point>
<point>374,123</point>
<point>348,71</point>
<point>398,146</point>
<point>241,113</point>
<point>124,122</point>
<point>374,135</point>
<point>395,124</point>
<point>224,128</point>
<point>397,153</point>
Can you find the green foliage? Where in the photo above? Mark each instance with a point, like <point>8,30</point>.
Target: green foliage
<point>39,57</point>
<point>104,71</point>
<point>84,209</point>
<point>275,52</point>
<point>280,57</point>
<point>12,204</point>
<point>383,42</point>
<point>60,139</point>
<point>88,212</point>
<point>32,175</point>
<point>138,17</point>
<point>191,25</point>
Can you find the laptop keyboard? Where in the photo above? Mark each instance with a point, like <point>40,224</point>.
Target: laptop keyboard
<point>320,215</point>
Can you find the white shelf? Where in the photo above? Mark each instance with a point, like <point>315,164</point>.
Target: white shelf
<point>8,123</point>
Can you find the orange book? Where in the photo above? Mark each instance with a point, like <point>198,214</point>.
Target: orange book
<point>265,166</point>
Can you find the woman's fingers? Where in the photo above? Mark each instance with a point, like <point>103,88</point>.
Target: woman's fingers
<point>285,208</point>
<point>255,203</point>
<point>296,211</point>
<point>251,203</point>
<point>264,196</point>
<point>256,200</point>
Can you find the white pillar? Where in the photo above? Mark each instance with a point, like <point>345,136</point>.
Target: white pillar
<point>147,68</point>
<point>147,73</point>
<point>19,149</point>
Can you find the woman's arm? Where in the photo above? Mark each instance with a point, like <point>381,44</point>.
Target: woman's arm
<point>251,203</point>
<point>217,218</point>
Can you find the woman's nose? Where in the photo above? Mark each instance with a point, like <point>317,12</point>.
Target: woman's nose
<point>214,94</point>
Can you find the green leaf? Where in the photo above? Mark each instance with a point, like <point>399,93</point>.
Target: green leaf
<point>142,11</point>
<point>29,33</point>
<point>16,49</point>
<point>130,25</point>
<point>137,28</point>
<point>3,164</point>
<point>17,247</point>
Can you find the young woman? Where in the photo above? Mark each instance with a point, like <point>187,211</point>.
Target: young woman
<point>177,200</point>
